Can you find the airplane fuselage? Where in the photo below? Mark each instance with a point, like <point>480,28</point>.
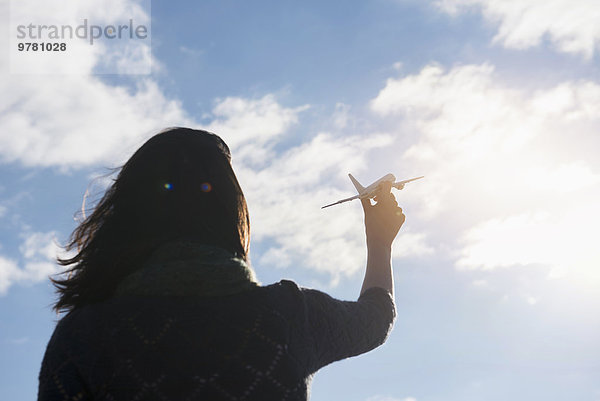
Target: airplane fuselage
<point>368,191</point>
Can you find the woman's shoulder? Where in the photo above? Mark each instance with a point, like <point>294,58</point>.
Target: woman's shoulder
<point>284,293</point>
<point>283,286</point>
<point>83,318</point>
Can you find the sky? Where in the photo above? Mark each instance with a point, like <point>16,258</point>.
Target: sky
<point>495,102</point>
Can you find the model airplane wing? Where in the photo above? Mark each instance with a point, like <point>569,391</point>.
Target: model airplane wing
<point>341,201</point>
<point>400,184</point>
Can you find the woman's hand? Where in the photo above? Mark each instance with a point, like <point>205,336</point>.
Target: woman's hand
<point>384,219</point>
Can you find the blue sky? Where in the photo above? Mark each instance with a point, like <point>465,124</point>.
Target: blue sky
<point>496,102</point>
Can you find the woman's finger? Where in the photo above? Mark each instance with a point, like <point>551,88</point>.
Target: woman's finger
<point>384,189</point>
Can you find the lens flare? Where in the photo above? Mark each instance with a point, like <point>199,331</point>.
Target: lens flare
<point>206,187</point>
<point>168,186</point>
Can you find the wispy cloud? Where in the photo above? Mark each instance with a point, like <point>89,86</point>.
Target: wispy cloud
<point>191,52</point>
<point>570,25</point>
<point>18,341</point>
<point>388,398</point>
<point>251,127</point>
<point>38,254</point>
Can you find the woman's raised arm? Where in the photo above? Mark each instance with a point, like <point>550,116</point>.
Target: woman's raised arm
<point>382,223</point>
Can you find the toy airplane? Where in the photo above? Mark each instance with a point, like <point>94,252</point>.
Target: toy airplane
<point>371,190</point>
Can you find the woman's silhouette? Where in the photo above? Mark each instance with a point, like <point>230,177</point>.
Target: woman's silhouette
<point>163,305</point>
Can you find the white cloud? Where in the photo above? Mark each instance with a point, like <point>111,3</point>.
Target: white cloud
<point>8,273</point>
<point>408,243</point>
<point>506,242</point>
<point>341,115</point>
<point>570,25</point>
<point>250,127</point>
<point>76,120</point>
<point>564,239</point>
<point>38,255</point>
<point>191,52</point>
<point>511,177</point>
<point>18,341</point>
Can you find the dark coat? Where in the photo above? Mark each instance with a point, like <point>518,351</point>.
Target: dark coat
<point>260,344</point>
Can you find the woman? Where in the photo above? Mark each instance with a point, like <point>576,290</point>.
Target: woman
<point>162,304</point>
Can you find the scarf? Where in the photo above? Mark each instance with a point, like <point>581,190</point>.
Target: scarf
<point>187,268</point>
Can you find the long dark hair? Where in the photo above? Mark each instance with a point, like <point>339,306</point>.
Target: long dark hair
<point>180,183</point>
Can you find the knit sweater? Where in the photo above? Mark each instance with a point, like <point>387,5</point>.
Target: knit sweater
<point>262,343</point>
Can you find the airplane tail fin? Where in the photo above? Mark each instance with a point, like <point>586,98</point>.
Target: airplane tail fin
<point>357,185</point>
